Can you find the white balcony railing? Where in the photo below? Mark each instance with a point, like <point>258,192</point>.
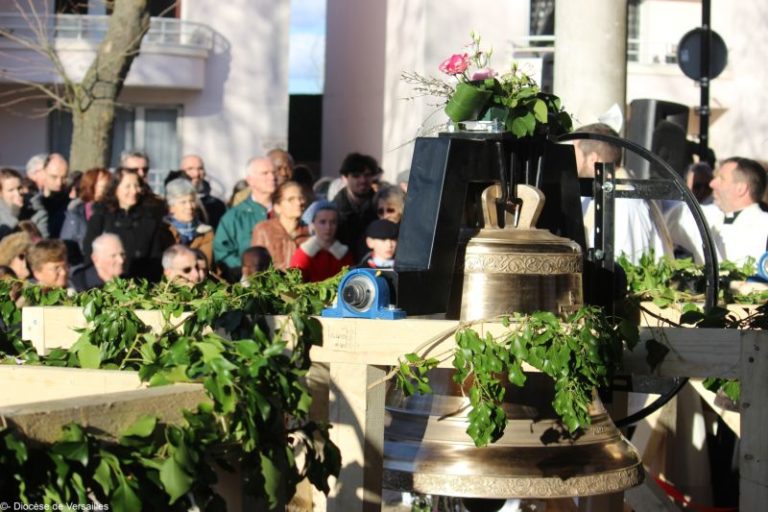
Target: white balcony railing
<point>163,32</point>
<point>638,50</point>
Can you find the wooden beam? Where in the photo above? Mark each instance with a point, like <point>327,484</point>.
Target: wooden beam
<point>37,383</point>
<point>693,352</point>
<point>753,449</point>
<point>49,327</point>
<point>106,415</point>
<point>730,418</point>
<point>357,415</point>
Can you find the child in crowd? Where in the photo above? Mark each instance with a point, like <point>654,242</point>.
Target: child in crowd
<point>381,239</point>
<point>254,260</point>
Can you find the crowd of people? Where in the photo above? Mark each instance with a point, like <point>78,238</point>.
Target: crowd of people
<point>82,229</point>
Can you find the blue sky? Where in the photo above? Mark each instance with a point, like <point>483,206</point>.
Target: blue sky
<point>307,51</point>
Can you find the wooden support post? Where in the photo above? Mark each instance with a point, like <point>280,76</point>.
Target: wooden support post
<point>753,452</point>
<point>357,414</point>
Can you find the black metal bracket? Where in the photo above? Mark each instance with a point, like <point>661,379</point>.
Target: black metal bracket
<point>669,186</point>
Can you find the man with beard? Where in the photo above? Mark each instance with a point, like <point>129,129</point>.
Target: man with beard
<point>13,208</point>
<point>355,201</point>
<point>194,168</point>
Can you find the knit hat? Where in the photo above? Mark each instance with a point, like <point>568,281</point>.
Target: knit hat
<point>178,188</point>
<point>321,204</point>
<point>12,245</point>
<point>382,229</point>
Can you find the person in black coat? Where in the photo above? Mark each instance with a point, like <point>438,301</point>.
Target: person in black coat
<point>137,219</point>
<point>107,263</point>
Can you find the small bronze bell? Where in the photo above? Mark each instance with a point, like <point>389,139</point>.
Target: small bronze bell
<point>426,448</point>
<point>519,268</point>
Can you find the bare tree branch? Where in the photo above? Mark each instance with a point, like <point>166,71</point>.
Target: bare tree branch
<point>91,99</point>
<point>48,91</point>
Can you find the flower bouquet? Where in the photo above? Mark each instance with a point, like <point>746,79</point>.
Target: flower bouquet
<point>478,92</point>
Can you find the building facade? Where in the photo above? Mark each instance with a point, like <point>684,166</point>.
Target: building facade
<point>209,80</point>
<point>212,77</point>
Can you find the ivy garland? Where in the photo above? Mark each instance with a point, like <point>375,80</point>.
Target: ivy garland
<point>215,335</point>
<point>258,414</point>
<point>680,281</point>
<point>580,353</point>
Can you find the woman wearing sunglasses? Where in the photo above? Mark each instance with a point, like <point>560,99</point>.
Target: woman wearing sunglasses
<point>390,202</point>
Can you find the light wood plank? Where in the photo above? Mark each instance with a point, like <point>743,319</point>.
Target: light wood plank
<point>49,327</point>
<point>28,384</point>
<point>730,418</point>
<point>357,415</point>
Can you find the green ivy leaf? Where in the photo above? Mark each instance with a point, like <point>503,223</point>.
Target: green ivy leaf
<point>89,356</point>
<point>274,480</point>
<point>732,388</point>
<point>16,446</point>
<point>125,499</point>
<point>103,476</point>
<point>521,126</point>
<point>629,333</point>
<point>516,374</point>
<point>540,111</point>
<point>76,451</point>
<point>222,392</point>
<point>143,427</point>
<point>169,376</point>
<point>174,479</point>
<point>210,351</point>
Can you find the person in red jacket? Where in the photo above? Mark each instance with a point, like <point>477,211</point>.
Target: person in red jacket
<point>322,256</point>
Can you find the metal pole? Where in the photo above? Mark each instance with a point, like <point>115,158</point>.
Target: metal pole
<point>706,45</point>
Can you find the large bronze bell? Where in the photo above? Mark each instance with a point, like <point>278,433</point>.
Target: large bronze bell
<point>426,447</point>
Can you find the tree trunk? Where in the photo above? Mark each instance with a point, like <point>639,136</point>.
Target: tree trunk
<point>93,111</point>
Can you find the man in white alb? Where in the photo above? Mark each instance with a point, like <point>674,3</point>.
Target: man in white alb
<point>738,225</point>
<point>637,227</point>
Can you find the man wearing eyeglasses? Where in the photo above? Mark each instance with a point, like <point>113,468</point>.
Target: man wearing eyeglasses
<point>180,265</point>
<point>355,201</point>
<point>53,196</point>
<point>194,168</point>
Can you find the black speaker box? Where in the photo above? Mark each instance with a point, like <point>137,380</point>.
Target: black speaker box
<point>661,127</point>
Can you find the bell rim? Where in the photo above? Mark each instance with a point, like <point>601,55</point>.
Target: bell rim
<point>466,486</point>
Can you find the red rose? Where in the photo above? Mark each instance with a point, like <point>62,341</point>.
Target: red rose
<point>455,64</point>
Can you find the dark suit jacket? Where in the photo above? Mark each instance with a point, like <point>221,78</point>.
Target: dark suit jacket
<point>141,229</point>
<point>86,278</point>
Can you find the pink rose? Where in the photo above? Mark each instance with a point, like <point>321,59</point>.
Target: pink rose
<point>482,74</point>
<point>455,64</point>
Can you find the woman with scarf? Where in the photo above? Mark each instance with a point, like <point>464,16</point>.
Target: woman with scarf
<point>184,219</point>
